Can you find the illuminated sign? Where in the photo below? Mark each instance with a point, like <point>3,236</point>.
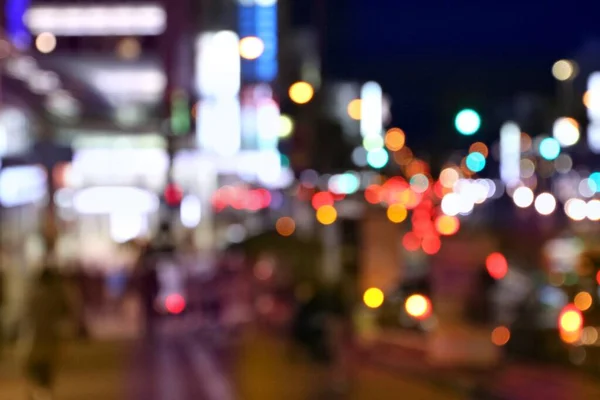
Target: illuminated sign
<point>218,64</point>
<point>22,185</point>
<point>15,27</point>
<point>259,19</point>
<point>510,153</point>
<point>593,106</point>
<point>260,118</point>
<point>96,20</point>
<point>371,110</point>
<point>218,125</point>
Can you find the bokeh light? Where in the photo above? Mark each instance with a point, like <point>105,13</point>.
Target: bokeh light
<point>479,147</point>
<point>411,242</point>
<point>467,122</point>
<point>285,226</point>
<point>354,108</point>
<point>496,265</point>
<point>448,177</point>
<point>431,244</point>
<point>523,197</point>
<point>583,301</point>
<point>301,92</point>
<point>570,319</point>
<point>286,126</point>
<point>321,199</point>
<point>576,209</point>
<point>549,148</point>
<point>326,215</point>
<point>592,210</point>
<point>251,47</point>
<point>395,139</point>
<point>377,158</point>
<point>372,143</point>
<point>418,306</point>
<point>563,70</point>
<point>45,42</point>
<point>500,335</point>
<point>475,162</point>
<point>373,297</point>
<point>175,303</point>
<point>566,131</point>
<point>419,183</point>
<point>451,204</point>
<point>545,203</point>
<point>447,225</point>
<point>397,213</point>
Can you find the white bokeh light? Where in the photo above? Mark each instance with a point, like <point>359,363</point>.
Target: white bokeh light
<point>523,197</point>
<point>566,131</point>
<point>451,204</point>
<point>576,209</point>
<point>545,203</point>
<point>592,210</point>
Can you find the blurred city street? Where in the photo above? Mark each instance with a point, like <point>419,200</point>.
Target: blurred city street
<point>299,200</point>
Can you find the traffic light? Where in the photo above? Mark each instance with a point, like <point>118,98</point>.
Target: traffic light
<point>180,113</point>
<point>467,122</point>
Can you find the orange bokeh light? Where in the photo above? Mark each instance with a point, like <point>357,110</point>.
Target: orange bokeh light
<point>526,142</point>
<point>500,335</point>
<point>403,156</point>
<point>479,147</point>
<point>285,226</point>
<point>395,139</point>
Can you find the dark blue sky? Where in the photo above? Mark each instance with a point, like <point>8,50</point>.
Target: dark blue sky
<point>435,57</point>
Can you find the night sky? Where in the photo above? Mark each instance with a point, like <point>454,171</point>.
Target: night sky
<point>434,58</point>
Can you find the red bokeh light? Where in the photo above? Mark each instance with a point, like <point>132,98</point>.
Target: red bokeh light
<point>373,194</point>
<point>321,199</point>
<point>265,197</point>
<point>496,265</point>
<point>411,242</point>
<point>598,277</point>
<point>173,194</point>
<point>431,245</point>
<point>175,303</point>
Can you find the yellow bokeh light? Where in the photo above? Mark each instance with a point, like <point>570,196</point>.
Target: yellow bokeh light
<point>447,225</point>
<point>301,92</point>
<point>397,213</point>
<point>354,109</point>
<point>286,126</point>
<point>500,335</point>
<point>326,215</point>
<point>251,47</point>
<point>417,306</point>
<point>395,139</point>
<point>285,226</point>
<point>564,70</point>
<point>570,321</point>
<point>479,147</point>
<point>583,301</point>
<point>373,298</point>
<point>45,42</point>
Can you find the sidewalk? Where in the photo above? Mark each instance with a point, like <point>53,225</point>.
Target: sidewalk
<point>90,371</point>
<point>514,381</point>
